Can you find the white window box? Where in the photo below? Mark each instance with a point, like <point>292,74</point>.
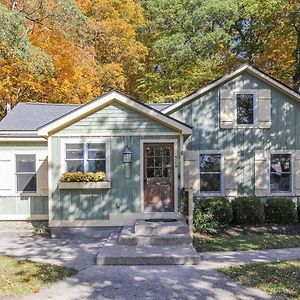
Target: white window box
<point>84,185</point>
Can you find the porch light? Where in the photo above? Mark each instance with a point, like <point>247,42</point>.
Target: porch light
<point>127,155</point>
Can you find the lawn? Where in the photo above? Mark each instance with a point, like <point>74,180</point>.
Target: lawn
<point>243,242</point>
<point>22,277</point>
<point>277,278</point>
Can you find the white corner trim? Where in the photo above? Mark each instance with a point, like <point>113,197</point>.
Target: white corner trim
<point>228,77</point>
<point>107,99</point>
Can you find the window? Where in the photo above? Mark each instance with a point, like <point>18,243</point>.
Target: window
<point>210,173</point>
<point>26,172</point>
<point>280,173</point>
<point>245,109</point>
<point>86,157</point>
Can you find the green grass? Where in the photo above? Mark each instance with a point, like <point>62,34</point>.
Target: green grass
<point>22,277</point>
<point>245,242</point>
<point>279,278</point>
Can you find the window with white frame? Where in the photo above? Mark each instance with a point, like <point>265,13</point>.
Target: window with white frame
<point>245,109</point>
<point>280,173</point>
<point>86,157</point>
<point>26,172</point>
<point>210,173</point>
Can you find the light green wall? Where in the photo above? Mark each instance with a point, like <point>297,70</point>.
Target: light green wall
<point>203,115</point>
<point>124,194</point>
<point>115,118</point>
<point>22,205</point>
<point>122,197</point>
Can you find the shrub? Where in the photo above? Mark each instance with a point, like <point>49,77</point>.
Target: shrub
<point>248,210</point>
<point>280,210</point>
<point>204,222</point>
<point>83,177</point>
<point>219,207</point>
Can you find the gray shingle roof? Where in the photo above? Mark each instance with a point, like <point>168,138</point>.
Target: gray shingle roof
<point>159,106</point>
<point>31,116</point>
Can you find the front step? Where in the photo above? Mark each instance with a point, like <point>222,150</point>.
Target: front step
<point>129,238</point>
<point>143,227</point>
<point>115,254</point>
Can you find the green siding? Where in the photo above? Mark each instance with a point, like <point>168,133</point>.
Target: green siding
<point>122,197</point>
<point>115,118</point>
<point>203,115</point>
<point>23,205</point>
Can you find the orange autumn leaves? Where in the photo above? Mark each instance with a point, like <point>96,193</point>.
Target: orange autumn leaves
<point>84,58</point>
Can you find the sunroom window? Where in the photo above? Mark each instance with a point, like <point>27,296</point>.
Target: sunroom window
<point>280,173</point>
<point>86,157</point>
<point>245,109</point>
<point>26,172</point>
<point>210,173</point>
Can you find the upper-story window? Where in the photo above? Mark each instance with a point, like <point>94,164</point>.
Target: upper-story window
<point>210,173</point>
<point>26,172</point>
<point>86,157</point>
<point>245,109</point>
<point>280,173</point>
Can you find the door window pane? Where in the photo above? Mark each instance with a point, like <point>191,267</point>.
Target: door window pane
<point>280,173</point>
<point>245,108</point>
<point>210,173</point>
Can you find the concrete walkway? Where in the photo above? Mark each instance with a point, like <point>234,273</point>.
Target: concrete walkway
<point>135,282</point>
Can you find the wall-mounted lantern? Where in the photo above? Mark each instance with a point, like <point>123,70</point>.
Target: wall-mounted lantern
<point>127,155</point>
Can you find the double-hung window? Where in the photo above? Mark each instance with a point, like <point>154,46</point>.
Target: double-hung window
<point>86,157</point>
<point>210,173</point>
<point>280,173</point>
<point>245,109</point>
<point>26,172</point>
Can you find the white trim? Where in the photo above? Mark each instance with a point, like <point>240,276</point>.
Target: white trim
<point>19,132</point>
<point>197,185</point>
<point>105,100</point>
<point>23,217</point>
<point>50,181</point>
<point>121,133</point>
<point>181,162</point>
<point>85,140</point>
<point>175,170</point>
<point>292,180</point>
<point>228,77</point>
<point>22,139</point>
<point>255,108</point>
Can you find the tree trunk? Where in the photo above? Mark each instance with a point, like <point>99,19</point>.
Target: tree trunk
<point>296,77</point>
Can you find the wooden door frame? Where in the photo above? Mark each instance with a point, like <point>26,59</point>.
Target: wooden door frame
<point>175,168</point>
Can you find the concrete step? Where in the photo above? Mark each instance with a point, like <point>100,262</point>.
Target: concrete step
<point>115,254</point>
<point>143,227</point>
<point>129,238</point>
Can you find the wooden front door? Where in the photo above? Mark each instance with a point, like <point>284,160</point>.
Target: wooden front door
<point>158,177</point>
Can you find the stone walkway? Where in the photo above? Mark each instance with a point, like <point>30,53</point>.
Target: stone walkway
<point>135,282</point>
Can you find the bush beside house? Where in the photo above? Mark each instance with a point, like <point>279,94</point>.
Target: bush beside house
<point>210,213</point>
<point>248,210</point>
<point>280,211</point>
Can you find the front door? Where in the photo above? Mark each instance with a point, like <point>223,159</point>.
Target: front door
<point>158,177</point>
